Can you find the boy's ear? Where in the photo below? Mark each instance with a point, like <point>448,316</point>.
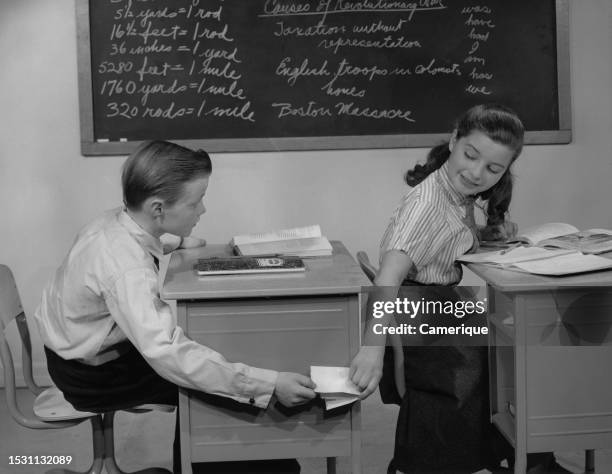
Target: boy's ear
<point>154,207</point>
<point>452,141</point>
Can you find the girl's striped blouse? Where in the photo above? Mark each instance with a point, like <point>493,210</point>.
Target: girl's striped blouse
<point>430,227</point>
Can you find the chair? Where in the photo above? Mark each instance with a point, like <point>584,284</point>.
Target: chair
<point>395,339</point>
<point>50,409</point>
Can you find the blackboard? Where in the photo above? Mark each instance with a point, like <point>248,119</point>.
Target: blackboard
<point>258,75</point>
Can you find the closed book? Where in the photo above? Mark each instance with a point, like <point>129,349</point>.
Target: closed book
<point>245,265</point>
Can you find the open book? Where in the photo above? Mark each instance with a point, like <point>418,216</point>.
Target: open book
<point>334,386</point>
<point>566,236</point>
<point>298,241</point>
<point>540,261</point>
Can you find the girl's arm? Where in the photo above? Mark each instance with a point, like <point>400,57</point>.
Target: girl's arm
<point>366,367</point>
<point>395,267</point>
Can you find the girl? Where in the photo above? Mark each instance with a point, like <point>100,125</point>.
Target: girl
<point>443,423</point>
<point>110,341</point>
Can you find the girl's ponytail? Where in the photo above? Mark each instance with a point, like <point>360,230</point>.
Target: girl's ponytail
<point>498,199</point>
<point>436,157</point>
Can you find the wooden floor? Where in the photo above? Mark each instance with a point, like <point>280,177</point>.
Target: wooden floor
<point>146,440</point>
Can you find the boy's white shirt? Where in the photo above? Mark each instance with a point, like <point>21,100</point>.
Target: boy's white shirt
<point>107,290</point>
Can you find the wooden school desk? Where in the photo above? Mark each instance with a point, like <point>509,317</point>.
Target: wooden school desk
<point>550,360</point>
<point>285,322</point>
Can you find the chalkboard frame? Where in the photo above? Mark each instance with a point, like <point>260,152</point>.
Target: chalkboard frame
<point>91,147</point>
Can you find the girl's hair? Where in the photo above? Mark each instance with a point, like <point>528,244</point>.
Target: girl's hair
<point>160,168</point>
<point>501,125</point>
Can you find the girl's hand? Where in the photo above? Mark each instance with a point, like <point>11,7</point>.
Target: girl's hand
<point>506,230</point>
<point>366,369</point>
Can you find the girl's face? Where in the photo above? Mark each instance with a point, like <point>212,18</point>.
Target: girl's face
<point>181,217</point>
<point>476,162</point>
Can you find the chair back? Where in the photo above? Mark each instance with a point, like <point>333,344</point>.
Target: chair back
<point>364,262</point>
<point>10,303</point>
<point>11,310</point>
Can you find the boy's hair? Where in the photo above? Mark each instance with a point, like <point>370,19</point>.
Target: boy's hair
<point>160,168</point>
<point>501,125</point>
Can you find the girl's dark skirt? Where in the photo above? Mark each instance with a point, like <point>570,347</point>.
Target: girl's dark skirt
<point>443,424</point>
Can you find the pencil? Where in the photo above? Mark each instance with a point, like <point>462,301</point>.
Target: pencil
<point>513,246</point>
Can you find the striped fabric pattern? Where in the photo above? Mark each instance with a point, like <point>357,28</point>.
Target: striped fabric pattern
<point>430,227</point>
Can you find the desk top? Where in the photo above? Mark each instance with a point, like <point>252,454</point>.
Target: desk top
<point>338,274</point>
<point>513,281</point>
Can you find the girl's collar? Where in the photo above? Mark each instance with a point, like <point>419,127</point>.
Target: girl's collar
<point>455,196</point>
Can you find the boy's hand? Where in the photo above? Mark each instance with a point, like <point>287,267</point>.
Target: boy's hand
<point>293,389</point>
<point>366,369</point>
<point>192,242</point>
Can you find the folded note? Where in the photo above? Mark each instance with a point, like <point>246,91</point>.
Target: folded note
<point>334,386</point>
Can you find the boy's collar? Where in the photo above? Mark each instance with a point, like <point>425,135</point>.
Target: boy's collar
<point>148,241</point>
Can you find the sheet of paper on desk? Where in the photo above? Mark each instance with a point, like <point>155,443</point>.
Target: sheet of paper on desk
<point>334,386</point>
<point>519,254</point>
<point>565,265</point>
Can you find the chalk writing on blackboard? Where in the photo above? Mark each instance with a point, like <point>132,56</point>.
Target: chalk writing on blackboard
<point>230,69</point>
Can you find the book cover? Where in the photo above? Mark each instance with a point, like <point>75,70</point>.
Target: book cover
<point>244,265</point>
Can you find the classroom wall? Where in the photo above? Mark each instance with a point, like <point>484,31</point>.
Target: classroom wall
<point>48,190</point>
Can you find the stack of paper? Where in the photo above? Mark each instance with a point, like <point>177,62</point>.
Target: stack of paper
<point>515,255</point>
<point>298,241</point>
<point>334,386</point>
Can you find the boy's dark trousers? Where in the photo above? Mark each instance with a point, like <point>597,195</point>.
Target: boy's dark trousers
<point>129,381</point>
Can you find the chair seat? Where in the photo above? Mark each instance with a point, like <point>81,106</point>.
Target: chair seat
<point>151,407</point>
<point>51,405</point>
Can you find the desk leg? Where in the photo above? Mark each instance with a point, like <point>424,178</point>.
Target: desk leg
<point>331,465</point>
<point>356,438</point>
<point>589,461</point>
<point>520,387</point>
<point>520,461</point>
<point>184,427</point>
